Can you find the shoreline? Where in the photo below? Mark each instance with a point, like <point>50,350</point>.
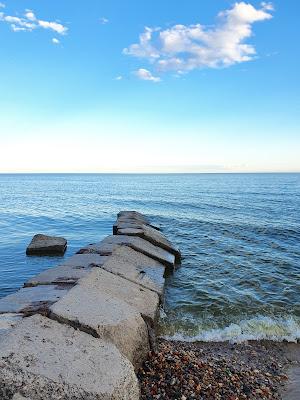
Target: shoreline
<point>126,272</point>
<point>222,370</point>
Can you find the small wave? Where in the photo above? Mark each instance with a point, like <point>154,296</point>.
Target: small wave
<point>258,328</point>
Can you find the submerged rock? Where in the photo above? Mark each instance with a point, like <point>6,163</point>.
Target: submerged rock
<point>44,245</point>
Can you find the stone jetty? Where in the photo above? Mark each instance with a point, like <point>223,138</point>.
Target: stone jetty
<point>82,329</point>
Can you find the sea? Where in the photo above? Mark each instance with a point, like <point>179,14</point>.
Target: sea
<point>239,235</point>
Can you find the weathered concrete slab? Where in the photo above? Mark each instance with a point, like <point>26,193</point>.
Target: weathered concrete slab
<point>85,260</point>
<point>137,268</point>
<point>104,315</point>
<point>131,219</point>
<point>128,225</point>
<point>8,321</point>
<point>45,360</point>
<point>43,245</point>
<point>63,274</point>
<point>153,236</point>
<point>133,215</point>
<point>73,269</point>
<point>33,299</point>
<point>145,301</point>
<point>106,247</point>
<point>130,231</point>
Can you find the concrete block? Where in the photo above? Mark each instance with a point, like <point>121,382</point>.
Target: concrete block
<point>72,269</point>
<point>44,245</point>
<point>134,218</point>
<point>137,268</point>
<point>106,247</point>
<point>33,299</point>
<point>103,315</point>
<point>8,321</point>
<point>132,215</point>
<point>45,360</point>
<point>151,235</point>
<point>63,274</point>
<point>145,301</point>
<point>85,260</point>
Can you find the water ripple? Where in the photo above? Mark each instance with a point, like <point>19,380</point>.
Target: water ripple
<point>239,235</point>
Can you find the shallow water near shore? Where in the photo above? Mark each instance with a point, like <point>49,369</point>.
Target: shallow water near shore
<point>239,235</point>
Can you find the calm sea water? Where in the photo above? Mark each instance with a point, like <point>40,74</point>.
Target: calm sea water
<point>239,235</point>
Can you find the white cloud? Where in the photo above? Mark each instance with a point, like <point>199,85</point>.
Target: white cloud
<point>29,22</point>
<point>146,75</point>
<point>55,41</point>
<point>145,48</point>
<point>184,48</point>
<point>54,26</point>
<point>104,21</point>
<point>30,15</point>
<point>267,6</point>
<point>119,78</point>
<point>2,5</point>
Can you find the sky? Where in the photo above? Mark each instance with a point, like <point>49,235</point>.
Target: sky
<point>139,86</point>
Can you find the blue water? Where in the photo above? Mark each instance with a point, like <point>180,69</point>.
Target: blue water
<point>239,235</point>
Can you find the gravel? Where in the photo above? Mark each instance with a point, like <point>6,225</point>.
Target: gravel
<point>186,371</point>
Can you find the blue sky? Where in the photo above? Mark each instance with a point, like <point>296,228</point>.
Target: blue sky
<point>114,86</point>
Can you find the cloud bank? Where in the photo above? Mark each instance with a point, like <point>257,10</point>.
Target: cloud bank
<point>184,48</point>
<point>29,22</point>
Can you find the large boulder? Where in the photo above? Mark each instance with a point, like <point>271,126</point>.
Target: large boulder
<point>45,360</point>
<point>43,245</point>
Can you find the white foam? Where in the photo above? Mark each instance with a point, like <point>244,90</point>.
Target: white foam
<point>258,328</point>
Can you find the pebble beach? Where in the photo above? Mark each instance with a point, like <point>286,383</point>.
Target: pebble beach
<point>213,371</point>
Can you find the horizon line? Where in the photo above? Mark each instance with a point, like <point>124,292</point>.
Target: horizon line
<point>149,173</point>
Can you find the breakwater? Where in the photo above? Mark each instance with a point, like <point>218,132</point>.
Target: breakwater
<point>82,329</point>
